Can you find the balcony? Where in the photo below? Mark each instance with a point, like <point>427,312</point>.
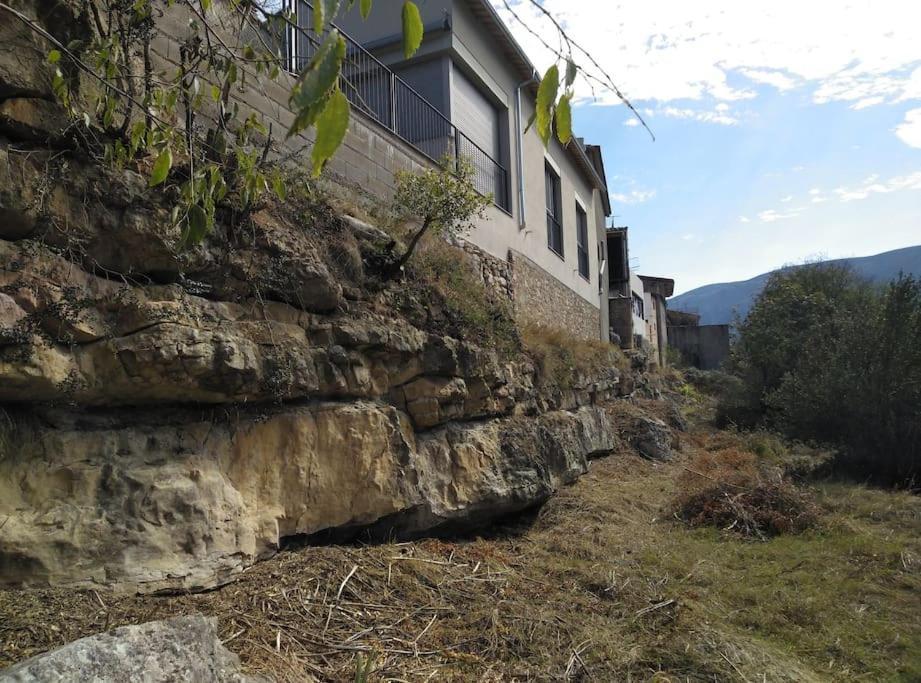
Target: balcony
<point>380,94</point>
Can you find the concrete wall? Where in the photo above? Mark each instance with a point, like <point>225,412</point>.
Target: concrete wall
<point>705,346</point>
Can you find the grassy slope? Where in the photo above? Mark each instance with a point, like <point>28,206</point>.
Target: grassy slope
<point>603,571</point>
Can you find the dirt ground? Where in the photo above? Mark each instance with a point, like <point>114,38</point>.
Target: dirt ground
<point>603,583</point>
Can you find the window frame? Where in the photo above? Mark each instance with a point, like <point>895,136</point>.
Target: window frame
<point>553,190</point>
<point>582,243</point>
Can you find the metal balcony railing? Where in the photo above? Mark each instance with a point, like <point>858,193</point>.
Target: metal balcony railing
<point>379,93</point>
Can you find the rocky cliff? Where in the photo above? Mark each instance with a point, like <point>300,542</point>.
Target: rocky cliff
<point>169,416</point>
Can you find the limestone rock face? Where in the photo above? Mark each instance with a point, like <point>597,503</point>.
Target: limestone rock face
<point>180,649</point>
<point>172,503</point>
<point>169,416</point>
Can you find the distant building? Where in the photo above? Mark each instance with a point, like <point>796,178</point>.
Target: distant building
<point>657,290</point>
<point>702,346</point>
<point>636,307</point>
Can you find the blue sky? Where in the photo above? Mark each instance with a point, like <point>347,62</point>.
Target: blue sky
<point>784,130</point>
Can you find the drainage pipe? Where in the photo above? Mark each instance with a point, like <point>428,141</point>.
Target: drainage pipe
<point>519,141</point>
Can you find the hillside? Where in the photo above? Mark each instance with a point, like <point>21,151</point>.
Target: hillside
<point>719,303</point>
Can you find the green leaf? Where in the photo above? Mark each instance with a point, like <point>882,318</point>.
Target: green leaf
<point>564,119</point>
<point>571,72</point>
<point>197,226</point>
<point>310,94</point>
<point>319,6</point>
<point>54,56</point>
<point>331,128</point>
<point>546,98</point>
<point>161,167</point>
<point>412,28</point>
<point>365,8</point>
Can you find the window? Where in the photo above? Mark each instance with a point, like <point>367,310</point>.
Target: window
<point>554,211</point>
<point>582,240</point>
<point>639,307</point>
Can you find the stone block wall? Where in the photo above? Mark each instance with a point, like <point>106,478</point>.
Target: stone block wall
<point>541,298</point>
<point>497,274</point>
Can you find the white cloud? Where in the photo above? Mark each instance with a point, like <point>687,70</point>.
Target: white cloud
<point>871,186</point>
<point>632,122</point>
<point>632,196</point>
<point>814,191</point>
<point>772,216</point>
<point>778,79</point>
<point>744,219</point>
<point>866,52</point>
<point>787,199</point>
<point>719,115</point>
<point>909,131</point>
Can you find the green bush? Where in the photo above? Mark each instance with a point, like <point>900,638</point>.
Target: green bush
<point>824,356</point>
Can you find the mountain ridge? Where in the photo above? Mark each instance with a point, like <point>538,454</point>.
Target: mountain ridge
<point>720,303</point>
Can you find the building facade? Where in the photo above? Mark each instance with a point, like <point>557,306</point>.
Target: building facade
<point>550,203</point>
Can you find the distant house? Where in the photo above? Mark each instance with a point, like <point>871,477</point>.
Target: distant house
<point>469,91</point>
<point>636,304</point>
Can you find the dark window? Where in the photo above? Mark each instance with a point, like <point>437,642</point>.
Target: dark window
<point>639,306</point>
<point>554,211</point>
<point>582,241</point>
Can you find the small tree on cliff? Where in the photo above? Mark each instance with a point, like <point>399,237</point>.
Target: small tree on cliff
<point>443,199</point>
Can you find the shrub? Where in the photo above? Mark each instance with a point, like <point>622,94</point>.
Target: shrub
<point>824,356</point>
<point>561,358</point>
<point>443,199</point>
<point>731,490</point>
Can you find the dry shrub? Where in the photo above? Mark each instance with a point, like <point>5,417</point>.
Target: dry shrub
<point>562,359</point>
<point>731,490</point>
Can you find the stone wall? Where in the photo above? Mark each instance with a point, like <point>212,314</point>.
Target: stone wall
<point>496,274</point>
<point>541,298</point>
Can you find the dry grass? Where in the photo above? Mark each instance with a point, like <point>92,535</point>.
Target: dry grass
<point>602,584</point>
<point>731,490</point>
<point>564,360</point>
<point>442,280</point>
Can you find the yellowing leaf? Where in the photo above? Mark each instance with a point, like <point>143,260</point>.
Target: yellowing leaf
<point>546,98</point>
<point>365,8</point>
<point>332,125</point>
<point>564,119</point>
<point>54,56</point>
<point>412,28</point>
<point>161,167</point>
